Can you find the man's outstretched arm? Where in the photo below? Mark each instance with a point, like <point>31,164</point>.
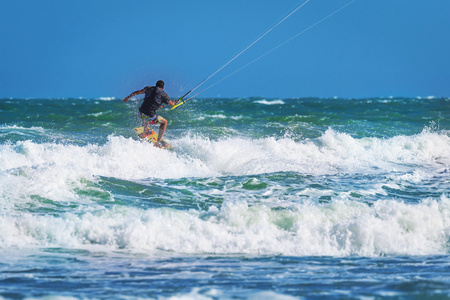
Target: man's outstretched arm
<point>139,92</point>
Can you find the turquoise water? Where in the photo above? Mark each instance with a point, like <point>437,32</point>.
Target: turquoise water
<point>261,198</point>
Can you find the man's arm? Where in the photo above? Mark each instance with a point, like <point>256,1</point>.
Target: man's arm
<point>139,92</point>
<point>167,100</point>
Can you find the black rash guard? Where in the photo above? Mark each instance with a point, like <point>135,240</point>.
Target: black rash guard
<point>154,98</point>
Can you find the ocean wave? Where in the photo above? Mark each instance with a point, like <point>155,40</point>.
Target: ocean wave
<point>270,102</point>
<point>339,228</point>
<point>21,128</point>
<point>8,132</point>
<point>52,170</point>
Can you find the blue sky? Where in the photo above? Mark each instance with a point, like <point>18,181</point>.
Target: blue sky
<point>109,48</point>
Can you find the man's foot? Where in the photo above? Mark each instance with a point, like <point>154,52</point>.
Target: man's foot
<point>161,144</point>
<point>145,134</point>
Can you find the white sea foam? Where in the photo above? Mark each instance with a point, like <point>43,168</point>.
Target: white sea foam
<point>54,171</point>
<point>331,153</point>
<point>270,102</point>
<point>340,228</point>
<point>107,98</point>
<point>18,128</point>
<point>97,114</point>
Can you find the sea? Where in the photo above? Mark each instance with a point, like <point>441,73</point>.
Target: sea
<point>261,198</point>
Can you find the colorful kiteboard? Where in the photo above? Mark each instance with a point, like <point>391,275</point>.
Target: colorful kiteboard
<point>152,138</point>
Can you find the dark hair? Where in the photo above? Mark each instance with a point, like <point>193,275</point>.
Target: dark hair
<point>160,84</point>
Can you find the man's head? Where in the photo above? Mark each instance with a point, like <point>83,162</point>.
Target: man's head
<point>160,84</point>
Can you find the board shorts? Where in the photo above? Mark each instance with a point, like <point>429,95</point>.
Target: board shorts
<point>155,120</point>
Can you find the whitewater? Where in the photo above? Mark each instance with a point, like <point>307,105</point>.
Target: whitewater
<point>261,198</point>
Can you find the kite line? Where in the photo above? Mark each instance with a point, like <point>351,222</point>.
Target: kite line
<point>237,55</point>
<point>178,103</point>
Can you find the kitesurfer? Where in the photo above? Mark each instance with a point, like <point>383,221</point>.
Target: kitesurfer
<point>153,100</point>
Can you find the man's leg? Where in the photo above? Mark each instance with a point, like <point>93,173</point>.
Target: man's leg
<point>146,130</point>
<point>145,121</point>
<point>162,129</point>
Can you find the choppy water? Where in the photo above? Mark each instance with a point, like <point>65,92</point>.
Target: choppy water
<point>261,198</point>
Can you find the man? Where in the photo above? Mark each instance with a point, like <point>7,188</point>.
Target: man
<point>153,100</point>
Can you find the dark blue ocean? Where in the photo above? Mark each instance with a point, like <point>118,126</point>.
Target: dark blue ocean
<point>305,198</point>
